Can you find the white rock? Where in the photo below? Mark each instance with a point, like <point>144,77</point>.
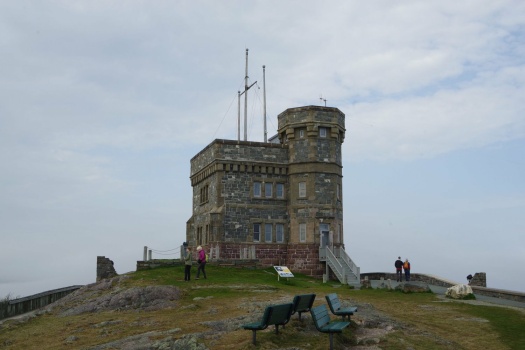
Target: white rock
<point>459,291</point>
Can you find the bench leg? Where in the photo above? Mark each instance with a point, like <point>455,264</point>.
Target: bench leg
<point>254,335</point>
<point>331,341</point>
<point>277,329</point>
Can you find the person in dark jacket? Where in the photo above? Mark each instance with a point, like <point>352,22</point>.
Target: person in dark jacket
<point>399,269</point>
<point>187,264</point>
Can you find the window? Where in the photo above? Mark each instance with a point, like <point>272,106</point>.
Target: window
<point>204,194</point>
<point>279,190</point>
<point>338,191</point>
<point>268,232</point>
<point>268,187</point>
<point>256,189</point>
<point>199,235</point>
<point>322,132</point>
<point>302,232</point>
<point>256,232</point>
<point>301,133</point>
<point>302,189</point>
<point>279,233</point>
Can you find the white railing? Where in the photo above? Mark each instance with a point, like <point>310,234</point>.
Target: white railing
<point>339,261</point>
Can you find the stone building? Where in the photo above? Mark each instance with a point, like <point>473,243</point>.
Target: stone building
<point>278,202</point>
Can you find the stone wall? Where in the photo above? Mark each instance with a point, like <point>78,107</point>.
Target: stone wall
<point>10,308</point>
<point>156,263</point>
<point>105,268</point>
<point>438,281</point>
<point>479,280</point>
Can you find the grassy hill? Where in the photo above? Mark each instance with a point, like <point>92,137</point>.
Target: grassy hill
<point>156,309</point>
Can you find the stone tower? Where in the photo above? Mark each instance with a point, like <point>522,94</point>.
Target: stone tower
<point>314,136</point>
<point>278,202</point>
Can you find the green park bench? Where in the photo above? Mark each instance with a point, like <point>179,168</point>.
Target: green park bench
<point>335,307</point>
<point>322,323</point>
<point>277,315</point>
<point>302,303</point>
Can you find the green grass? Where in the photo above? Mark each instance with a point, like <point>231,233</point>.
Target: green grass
<point>421,320</point>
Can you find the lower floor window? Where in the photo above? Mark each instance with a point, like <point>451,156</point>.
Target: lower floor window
<point>279,233</point>
<point>256,232</point>
<point>268,232</point>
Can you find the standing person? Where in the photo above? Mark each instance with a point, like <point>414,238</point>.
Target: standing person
<point>202,262</point>
<point>399,269</point>
<point>406,267</point>
<point>187,264</point>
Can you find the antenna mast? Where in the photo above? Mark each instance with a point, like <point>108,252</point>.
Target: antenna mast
<point>264,101</point>
<point>245,92</point>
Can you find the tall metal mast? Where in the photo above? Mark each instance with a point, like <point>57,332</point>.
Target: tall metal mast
<point>264,102</point>
<point>245,92</point>
<point>246,98</point>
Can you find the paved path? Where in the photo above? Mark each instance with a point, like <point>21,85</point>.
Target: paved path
<point>440,291</point>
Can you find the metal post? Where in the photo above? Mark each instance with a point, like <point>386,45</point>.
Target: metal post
<point>264,102</point>
<point>246,98</point>
<point>238,116</point>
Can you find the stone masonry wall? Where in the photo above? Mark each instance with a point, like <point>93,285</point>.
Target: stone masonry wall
<point>105,268</point>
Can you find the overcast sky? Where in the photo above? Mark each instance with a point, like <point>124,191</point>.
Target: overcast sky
<point>104,103</point>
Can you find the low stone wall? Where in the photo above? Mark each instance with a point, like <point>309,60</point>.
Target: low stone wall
<point>10,308</point>
<point>438,281</point>
<point>158,263</point>
<point>416,277</point>
<point>499,293</point>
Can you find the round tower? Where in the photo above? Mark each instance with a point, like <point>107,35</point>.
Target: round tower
<point>314,135</point>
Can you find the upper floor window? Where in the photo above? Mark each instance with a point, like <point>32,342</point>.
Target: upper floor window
<point>279,190</point>
<point>204,193</point>
<point>302,189</point>
<point>256,232</point>
<point>338,191</point>
<point>268,188</point>
<point>268,232</point>
<point>256,189</point>
<point>322,132</point>
<point>301,133</point>
<point>279,233</point>
<point>302,232</point>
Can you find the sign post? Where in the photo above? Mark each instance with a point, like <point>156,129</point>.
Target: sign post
<point>283,271</point>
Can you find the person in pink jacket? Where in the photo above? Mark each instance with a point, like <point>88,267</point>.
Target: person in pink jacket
<point>202,262</point>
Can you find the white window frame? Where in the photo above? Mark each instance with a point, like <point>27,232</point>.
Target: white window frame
<point>302,233</point>
<point>302,189</point>
<point>322,132</point>
<point>301,133</point>
<point>268,233</point>
<point>256,232</point>
<point>268,189</point>
<point>257,189</point>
